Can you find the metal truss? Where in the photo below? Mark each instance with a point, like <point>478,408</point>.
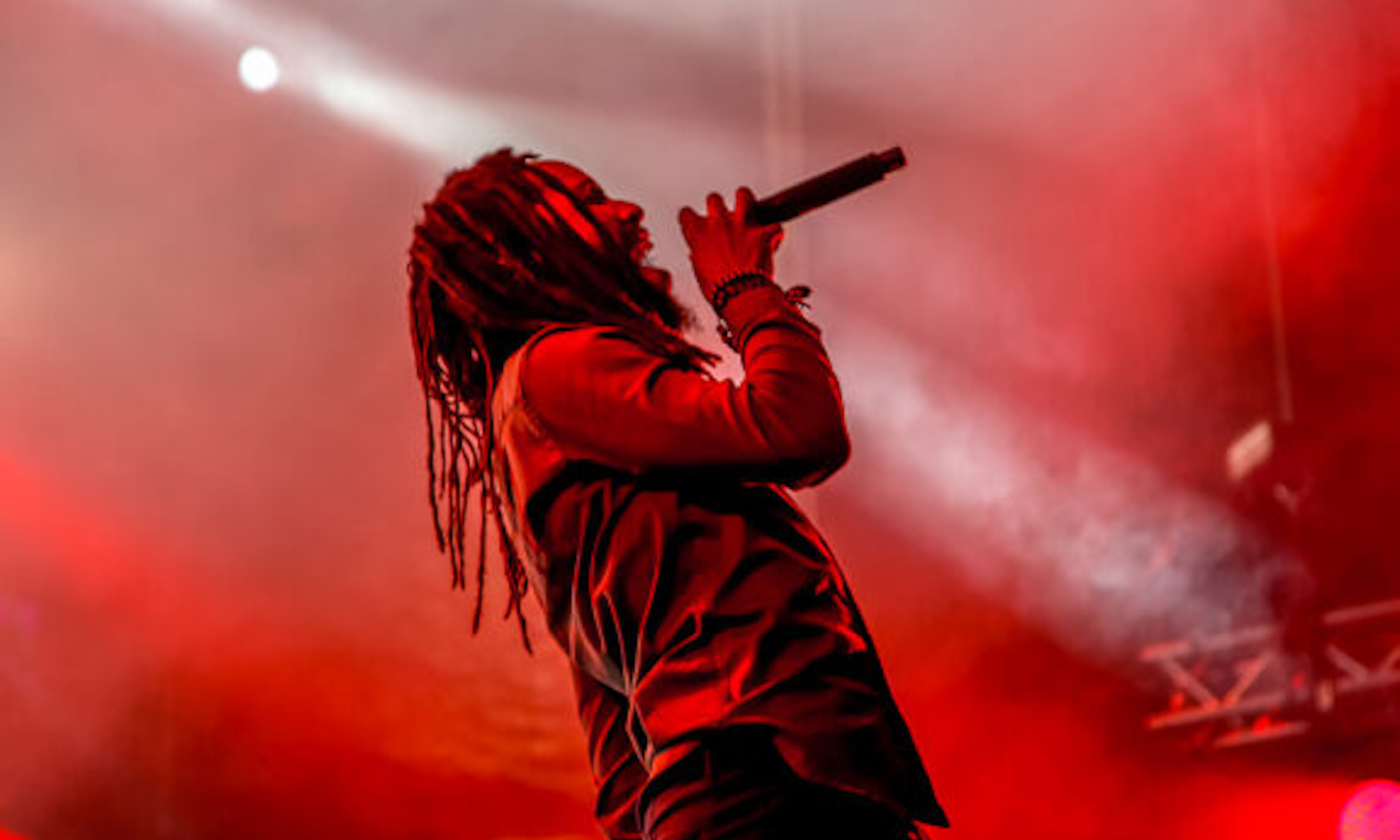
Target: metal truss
<point>1245,686</point>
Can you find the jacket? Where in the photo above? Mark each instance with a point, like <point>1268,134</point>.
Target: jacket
<point>690,593</point>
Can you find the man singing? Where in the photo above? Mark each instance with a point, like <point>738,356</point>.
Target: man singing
<point>727,684</point>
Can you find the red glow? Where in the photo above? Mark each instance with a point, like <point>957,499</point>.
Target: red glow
<point>221,613</point>
<point>1372,812</point>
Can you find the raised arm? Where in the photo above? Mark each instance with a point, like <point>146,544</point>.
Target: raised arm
<point>606,399</point>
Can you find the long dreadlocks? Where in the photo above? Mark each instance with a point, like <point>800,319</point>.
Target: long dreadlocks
<point>492,262</point>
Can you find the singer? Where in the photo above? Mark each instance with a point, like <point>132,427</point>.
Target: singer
<point>725,679</point>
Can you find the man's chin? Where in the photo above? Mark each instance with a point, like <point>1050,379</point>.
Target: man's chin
<point>658,277</point>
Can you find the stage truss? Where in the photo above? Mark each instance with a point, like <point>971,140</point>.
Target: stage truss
<point>1250,686</point>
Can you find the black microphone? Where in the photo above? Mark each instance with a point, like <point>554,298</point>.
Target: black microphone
<point>826,187</point>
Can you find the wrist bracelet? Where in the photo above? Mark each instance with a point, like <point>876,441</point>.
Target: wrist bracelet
<point>797,296</point>
<point>733,285</point>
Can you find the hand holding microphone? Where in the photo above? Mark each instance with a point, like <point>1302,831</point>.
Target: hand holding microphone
<point>724,245</point>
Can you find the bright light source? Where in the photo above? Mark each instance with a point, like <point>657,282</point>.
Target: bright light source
<point>258,69</point>
<point>1250,450</point>
<point>1372,812</point>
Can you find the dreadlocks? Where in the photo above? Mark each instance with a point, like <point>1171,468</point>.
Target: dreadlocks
<point>492,262</point>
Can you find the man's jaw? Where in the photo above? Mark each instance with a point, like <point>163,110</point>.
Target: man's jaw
<point>640,250</point>
<point>658,277</point>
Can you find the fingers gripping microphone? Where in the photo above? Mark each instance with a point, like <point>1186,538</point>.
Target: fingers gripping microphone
<point>826,187</point>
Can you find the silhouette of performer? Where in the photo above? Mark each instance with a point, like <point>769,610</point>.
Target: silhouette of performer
<point>724,676</point>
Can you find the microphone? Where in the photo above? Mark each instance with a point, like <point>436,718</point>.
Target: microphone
<point>826,187</point>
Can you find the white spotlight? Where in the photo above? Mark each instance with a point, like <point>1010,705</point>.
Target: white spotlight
<point>1250,450</point>
<point>259,70</point>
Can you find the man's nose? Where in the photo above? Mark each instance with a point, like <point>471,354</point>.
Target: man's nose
<point>629,212</point>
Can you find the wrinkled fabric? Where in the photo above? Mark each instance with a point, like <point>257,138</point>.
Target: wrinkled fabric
<point>688,590</point>
<point>738,787</point>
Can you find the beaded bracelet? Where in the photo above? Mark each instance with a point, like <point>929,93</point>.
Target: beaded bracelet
<point>797,296</point>
<point>733,285</point>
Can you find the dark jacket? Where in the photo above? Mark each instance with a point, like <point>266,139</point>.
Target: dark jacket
<point>687,589</point>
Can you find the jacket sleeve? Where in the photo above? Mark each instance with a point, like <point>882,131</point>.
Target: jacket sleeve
<point>604,398</point>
